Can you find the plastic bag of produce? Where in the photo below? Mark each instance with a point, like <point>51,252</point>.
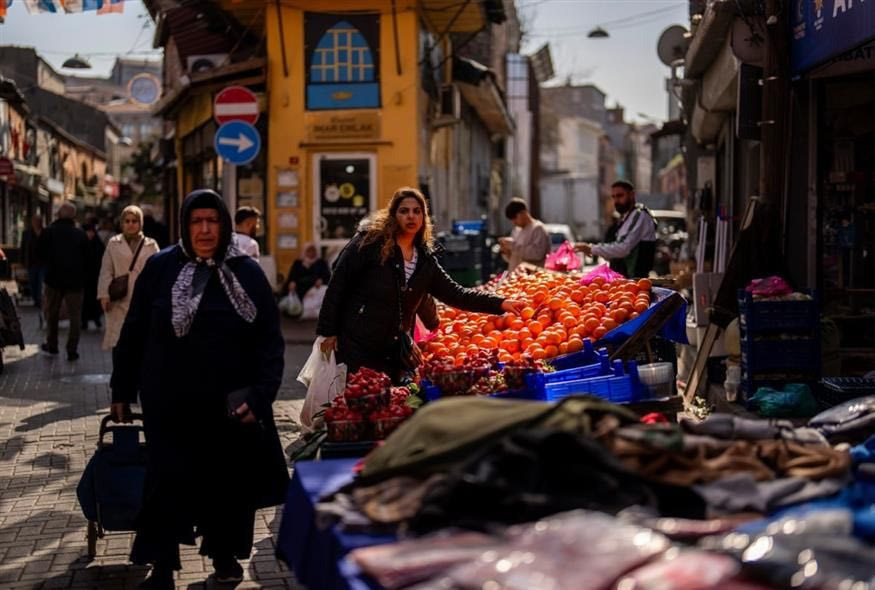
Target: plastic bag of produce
<point>291,305</point>
<point>563,259</point>
<point>325,379</point>
<point>602,270</point>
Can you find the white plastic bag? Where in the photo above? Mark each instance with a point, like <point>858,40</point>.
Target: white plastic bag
<point>313,302</point>
<point>291,305</point>
<point>325,379</point>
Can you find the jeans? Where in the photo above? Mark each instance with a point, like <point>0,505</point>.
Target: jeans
<point>73,298</point>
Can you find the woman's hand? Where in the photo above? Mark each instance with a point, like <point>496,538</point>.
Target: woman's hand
<point>513,306</point>
<point>329,345</point>
<point>105,303</point>
<point>244,414</point>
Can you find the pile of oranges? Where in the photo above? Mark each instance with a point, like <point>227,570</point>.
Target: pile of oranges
<point>561,314</point>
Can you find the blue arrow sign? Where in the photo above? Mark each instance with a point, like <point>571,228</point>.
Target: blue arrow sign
<point>237,142</point>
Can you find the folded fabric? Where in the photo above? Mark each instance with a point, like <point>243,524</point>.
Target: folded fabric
<point>729,426</point>
<point>853,420</point>
<point>741,493</point>
<point>535,473</point>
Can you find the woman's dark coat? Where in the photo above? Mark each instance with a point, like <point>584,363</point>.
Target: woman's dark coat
<point>361,304</point>
<point>205,469</point>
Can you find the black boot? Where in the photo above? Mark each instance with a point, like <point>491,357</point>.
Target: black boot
<point>228,570</point>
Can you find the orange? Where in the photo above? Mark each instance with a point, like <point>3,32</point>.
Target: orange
<point>551,351</point>
<point>527,313</point>
<point>619,315</point>
<point>552,338</point>
<point>633,315</point>
<point>575,344</point>
<point>563,348</point>
<point>640,306</point>
<point>535,328</point>
<point>525,343</point>
<point>517,324</point>
<point>644,284</point>
<point>609,324</point>
<point>538,354</point>
<point>599,332</point>
<point>511,345</point>
<point>569,322</point>
<point>477,338</point>
<point>488,343</point>
<point>555,303</point>
<point>591,324</point>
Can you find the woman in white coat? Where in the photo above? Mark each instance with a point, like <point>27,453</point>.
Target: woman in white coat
<point>120,250</point>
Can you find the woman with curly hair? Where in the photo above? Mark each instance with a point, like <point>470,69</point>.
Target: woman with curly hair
<point>379,282</point>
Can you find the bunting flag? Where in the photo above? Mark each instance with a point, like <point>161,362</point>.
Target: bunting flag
<point>72,6</point>
<point>112,6</point>
<point>38,6</point>
<point>4,4</point>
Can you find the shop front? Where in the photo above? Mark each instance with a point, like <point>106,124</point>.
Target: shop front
<point>833,55</point>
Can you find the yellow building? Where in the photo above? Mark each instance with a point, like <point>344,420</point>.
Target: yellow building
<point>347,116</point>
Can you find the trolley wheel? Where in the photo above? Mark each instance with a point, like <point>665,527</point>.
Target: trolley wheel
<point>93,533</point>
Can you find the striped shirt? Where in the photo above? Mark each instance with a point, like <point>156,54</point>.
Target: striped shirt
<point>409,267</point>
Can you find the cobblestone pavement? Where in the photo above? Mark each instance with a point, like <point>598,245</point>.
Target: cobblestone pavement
<point>50,411</point>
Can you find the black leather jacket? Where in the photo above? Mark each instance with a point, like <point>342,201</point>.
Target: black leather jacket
<point>361,304</point>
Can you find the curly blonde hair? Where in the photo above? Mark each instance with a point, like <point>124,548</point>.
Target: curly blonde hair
<point>384,226</point>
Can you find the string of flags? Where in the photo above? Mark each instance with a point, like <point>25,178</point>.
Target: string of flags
<point>65,6</point>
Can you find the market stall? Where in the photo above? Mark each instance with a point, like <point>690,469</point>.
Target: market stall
<point>468,486</point>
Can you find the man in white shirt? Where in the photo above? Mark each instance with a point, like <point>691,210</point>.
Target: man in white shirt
<point>246,222</point>
<point>631,251</point>
<point>529,240</point>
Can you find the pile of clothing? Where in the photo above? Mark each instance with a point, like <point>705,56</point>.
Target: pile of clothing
<point>581,494</point>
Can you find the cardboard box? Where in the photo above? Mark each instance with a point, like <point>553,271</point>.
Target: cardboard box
<point>705,286</point>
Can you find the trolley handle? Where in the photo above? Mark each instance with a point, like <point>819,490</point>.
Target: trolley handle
<point>105,424</point>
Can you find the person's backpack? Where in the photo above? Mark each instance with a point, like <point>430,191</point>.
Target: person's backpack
<point>110,491</point>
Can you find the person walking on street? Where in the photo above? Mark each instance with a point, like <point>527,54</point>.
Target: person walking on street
<point>379,282</point>
<point>307,272</point>
<point>202,346</point>
<point>246,222</point>
<point>36,271</point>
<point>529,241</point>
<point>64,249</point>
<point>126,254</point>
<point>633,250</point>
<point>91,310</point>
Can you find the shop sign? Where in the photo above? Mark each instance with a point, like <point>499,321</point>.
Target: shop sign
<point>824,29</point>
<point>856,61</point>
<point>346,127</point>
<point>6,167</point>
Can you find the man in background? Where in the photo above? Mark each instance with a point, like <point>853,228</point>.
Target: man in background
<point>246,222</point>
<point>529,240</point>
<point>632,250</point>
<point>63,248</point>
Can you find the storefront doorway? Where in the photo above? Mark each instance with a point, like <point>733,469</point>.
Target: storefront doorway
<point>344,192</point>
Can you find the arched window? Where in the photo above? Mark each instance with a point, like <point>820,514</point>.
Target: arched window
<point>342,68</point>
<point>342,55</point>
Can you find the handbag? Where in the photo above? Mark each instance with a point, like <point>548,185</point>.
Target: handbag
<point>409,355</point>
<point>118,287</point>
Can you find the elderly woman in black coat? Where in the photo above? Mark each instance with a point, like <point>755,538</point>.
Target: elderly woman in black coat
<point>379,282</point>
<point>201,344</point>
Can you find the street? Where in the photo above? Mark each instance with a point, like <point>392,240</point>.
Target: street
<point>50,411</point>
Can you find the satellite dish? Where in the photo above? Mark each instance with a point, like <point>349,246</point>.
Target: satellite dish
<point>672,45</point>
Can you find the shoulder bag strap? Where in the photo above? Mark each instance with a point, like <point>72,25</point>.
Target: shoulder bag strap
<point>137,253</point>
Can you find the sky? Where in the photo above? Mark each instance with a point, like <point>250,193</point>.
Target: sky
<point>624,65</point>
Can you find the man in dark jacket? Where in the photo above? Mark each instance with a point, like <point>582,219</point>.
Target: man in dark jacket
<point>201,345</point>
<point>63,248</point>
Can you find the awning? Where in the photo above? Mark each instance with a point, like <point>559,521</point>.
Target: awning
<point>477,84</point>
<point>720,82</point>
<point>246,73</point>
<point>709,37</point>
<point>822,31</point>
<point>461,16</point>
<point>705,125</point>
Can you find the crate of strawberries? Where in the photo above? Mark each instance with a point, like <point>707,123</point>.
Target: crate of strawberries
<point>483,374</point>
<point>369,408</point>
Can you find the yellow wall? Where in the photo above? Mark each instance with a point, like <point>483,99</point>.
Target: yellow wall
<point>396,149</point>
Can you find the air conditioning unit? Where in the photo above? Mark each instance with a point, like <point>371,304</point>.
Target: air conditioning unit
<point>205,62</point>
<point>449,106</point>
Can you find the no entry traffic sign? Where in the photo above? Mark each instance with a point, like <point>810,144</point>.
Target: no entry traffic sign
<point>235,103</point>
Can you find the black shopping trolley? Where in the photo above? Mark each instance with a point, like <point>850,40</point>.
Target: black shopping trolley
<point>110,491</point>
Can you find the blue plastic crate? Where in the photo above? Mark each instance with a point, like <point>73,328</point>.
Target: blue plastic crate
<point>758,356</point>
<point>777,316</point>
<point>619,387</point>
<point>587,356</point>
<point>534,390</point>
<point>597,369</point>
